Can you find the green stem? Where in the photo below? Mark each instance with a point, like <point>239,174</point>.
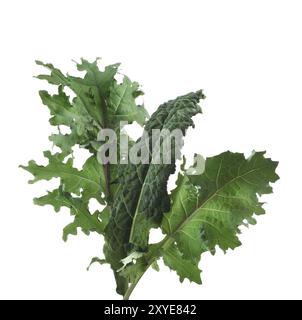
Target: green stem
<point>106,169</point>
<point>162,246</point>
<point>133,285</point>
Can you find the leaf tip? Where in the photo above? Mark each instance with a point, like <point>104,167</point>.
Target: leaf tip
<point>200,94</point>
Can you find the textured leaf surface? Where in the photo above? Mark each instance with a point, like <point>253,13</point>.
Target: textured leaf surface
<point>83,219</point>
<point>185,268</point>
<point>122,105</point>
<point>208,209</point>
<point>100,102</point>
<point>203,212</point>
<point>142,197</point>
<point>91,178</point>
<point>64,112</point>
<point>90,91</point>
<point>86,183</point>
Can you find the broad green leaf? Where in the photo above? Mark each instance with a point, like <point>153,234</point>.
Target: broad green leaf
<point>65,141</point>
<point>64,112</point>
<point>83,127</point>
<point>54,198</point>
<point>100,102</point>
<point>185,268</point>
<point>142,197</point>
<point>89,91</point>
<point>94,77</point>
<point>98,95</point>
<point>208,209</point>
<point>90,179</point>
<point>56,77</point>
<point>83,219</point>
<point>122,105</point>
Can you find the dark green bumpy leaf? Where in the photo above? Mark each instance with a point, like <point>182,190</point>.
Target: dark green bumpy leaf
<point>142,197</point>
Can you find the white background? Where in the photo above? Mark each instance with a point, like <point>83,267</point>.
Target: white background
<point>246,55</point>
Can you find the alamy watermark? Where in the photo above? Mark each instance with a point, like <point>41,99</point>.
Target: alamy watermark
<point>155,147</point>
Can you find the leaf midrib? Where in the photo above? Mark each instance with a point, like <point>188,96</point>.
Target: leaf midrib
<point>200,208</point>
<point>121,97</point>
<point>71,174</point>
